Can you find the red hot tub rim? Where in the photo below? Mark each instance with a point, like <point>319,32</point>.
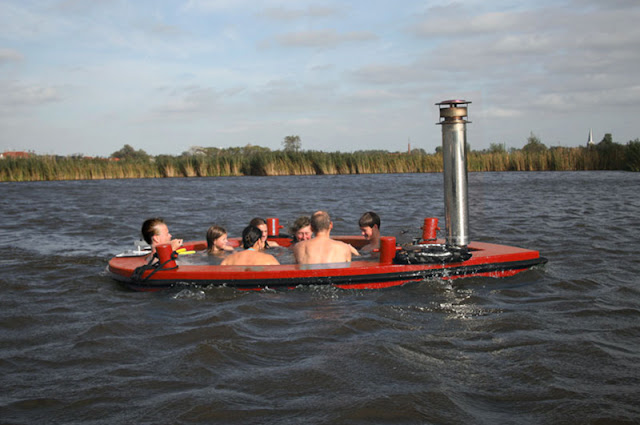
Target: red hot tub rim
<point>489,260</point>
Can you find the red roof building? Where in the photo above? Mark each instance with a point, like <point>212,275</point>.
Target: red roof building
<point>15,154</point>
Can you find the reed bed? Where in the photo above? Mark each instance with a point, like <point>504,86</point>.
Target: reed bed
<point>263,162</point>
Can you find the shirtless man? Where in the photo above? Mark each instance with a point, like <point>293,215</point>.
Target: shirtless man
<point>155,232</point>
<point>370,228</point>
<point>322,249</point>
<point>251,256</point>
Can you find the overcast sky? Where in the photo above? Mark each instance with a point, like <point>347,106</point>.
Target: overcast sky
<point>80,76</point>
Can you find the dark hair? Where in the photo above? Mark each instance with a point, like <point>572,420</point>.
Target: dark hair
<point>250,235</point>
<point>149,228</point>
<point>299,224</point>
<point>257,221</point>
<point>213,233</point>
<point>320,221</point>
<point>369,219</point>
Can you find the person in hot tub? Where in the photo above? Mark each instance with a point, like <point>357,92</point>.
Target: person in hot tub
<point>322,249</point>
<point>155,232</point>
<point>261,224</point>
<point>301,229</point>
<point>217,242</point>
<point>370,227</point>
<point>251,256</point>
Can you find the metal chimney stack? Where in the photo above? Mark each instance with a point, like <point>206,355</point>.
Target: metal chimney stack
<point>454,138</point>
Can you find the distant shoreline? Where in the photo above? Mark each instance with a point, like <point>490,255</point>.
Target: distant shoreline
<point>238,162</point>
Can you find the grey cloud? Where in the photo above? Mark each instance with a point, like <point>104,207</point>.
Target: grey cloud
<point>554,60</point>
<point>10,55</point>
<point>323,38</point>
<point>456,21</point>
<point>19,95</point>
<point>83,7</point>
<point>609,4</point>
<point>166,30</point>
<point>193,99</point>
<point>389,74</point>
<point>282,14</point>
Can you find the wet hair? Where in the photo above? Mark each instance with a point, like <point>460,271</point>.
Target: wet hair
<point>250,235</point>
<point>369,219</point>
<point>300,222</point>
<point>149,228</point>
<point>320,221</point>
<point>213,233</point>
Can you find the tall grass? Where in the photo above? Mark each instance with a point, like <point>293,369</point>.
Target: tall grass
<point>263,162</point>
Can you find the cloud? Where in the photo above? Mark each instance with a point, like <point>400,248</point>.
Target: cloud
<point>363,72</point>
<point>215,5</point>
<point>193,100</point>
<point>283,14</point>
<point>18,95</point>
<point>84,7</point>
<point>165,30</point>
<point>390,74</point>
<point>10,55</point>
<point>457,21</point>
<point>323,38</point>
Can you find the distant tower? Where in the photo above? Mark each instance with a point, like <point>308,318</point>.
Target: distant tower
<point>590,141</point>
<point>409,142</point>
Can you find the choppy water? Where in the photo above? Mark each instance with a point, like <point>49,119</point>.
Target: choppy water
<point>555,345</point>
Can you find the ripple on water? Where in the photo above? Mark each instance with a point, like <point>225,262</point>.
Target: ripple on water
<point>555,342</point>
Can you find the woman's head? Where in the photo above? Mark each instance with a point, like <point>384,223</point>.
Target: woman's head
<point>216,238</point>
<point>301,229</point>
<point>261,224</point>
<point>250,235</point>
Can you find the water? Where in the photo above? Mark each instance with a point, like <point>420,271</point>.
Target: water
<point>552,345</point>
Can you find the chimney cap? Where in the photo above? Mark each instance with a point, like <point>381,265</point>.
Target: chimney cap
<point>454,102</point>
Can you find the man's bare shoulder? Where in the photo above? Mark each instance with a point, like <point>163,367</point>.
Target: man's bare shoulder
<point>268,259</point>
<point>232,259</point>
<point>342,244</point>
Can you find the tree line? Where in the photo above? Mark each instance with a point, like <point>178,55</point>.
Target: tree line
<point>253,160</point>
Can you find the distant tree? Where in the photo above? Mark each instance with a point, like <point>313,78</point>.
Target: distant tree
<point>534,145</point>
<point>129,153</point>
<point>439,149</point>
<point>291,143</point>
<point>633,155</point>
<point>497,148</point>
<point>212,151</point>
<point>611,154</point>
<point>252,149</point>
<point>606,140</point>
<point>418,151</point>
<point>195,150</point>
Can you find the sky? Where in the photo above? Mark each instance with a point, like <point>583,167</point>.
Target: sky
<point>87,77</point>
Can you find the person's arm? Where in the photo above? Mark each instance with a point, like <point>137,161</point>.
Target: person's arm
<point>297,252</point>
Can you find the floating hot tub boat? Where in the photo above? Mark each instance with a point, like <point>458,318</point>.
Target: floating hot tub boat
<point>428,257</point>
